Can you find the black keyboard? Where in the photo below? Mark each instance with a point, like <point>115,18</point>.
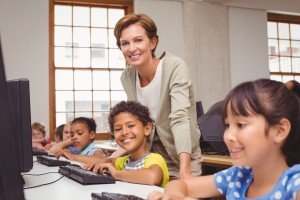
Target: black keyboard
<point>114,196</point>
<point>50,160</point>
<point>75,172</point>
<point>36,152</point>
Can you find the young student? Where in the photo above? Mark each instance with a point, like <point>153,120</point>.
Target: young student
<point>262,133</point>
<point>83,133</point>
<point>58,133</point>
<point>39,139</point>
<point>131,124</point>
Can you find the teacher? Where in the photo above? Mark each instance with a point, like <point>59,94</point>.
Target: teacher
<point>163,85</point>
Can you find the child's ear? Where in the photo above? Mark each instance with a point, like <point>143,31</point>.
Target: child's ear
<point>92,135</point>
<point>282,130</point>
<point>148,128</point>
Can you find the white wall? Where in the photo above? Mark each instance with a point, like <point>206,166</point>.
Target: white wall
<point>248,45</point>
<point>25,41</point>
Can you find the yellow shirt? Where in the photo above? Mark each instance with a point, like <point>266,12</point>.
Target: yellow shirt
<point>151,159</point>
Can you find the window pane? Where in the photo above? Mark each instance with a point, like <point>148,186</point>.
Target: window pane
<point>283,30</point>
<point>81,16</point>
<point>284,46</point>
<point>99,58</point>
<point>81,37</point>
<point>273,47</point>
<point>297,78</point>
<point>272,30</point>
<point>82,57</point>
<point>64,101</point>
<point>112,39</point>
<point>115,80</point>
<point>99,37</point>
<point>83,114</point>
<point>64,80</point>
<point>82,80</point>
<point>285,64</point>
<point>296,65</point>
<point>63,57</point>
<point>83,101</point>
<point>276,77</point>
<point>101,101</point>
<point>287,78</point>
<point>99,17</point>
<point>63,15</point>
<point>274,63</point>
<point>116,59</point>
<point>101,121</point>
<point>117,96</point>
<point>114,15</point>
<point>101,80</point>
<point>62,118</point>
<point>295,31</point>
<point>295,47</point>
<point>62,36</point>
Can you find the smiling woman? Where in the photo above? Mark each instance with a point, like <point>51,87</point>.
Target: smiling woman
<point>163,84</point>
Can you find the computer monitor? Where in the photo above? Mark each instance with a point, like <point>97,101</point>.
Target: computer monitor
<point>11,182</point>
<point>212,130</point>
<point>19,100</point>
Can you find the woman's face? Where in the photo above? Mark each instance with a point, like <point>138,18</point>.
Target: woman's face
<point>136,46</point>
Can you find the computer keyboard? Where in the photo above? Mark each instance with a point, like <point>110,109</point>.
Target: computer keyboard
<point>75,172</point>
<point>36,152</point>
<point>114,196</point>
<point>50,160</point>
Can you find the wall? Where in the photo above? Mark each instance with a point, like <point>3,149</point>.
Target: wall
<point>24,38</point>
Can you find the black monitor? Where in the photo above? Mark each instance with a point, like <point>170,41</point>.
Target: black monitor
<point>11,182</point>
<point>212,130</point>
<point>19,99</point>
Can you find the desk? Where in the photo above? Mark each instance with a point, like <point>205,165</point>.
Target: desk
<point>214,163</point>
<point>67,189</point>
<point>107,146</point>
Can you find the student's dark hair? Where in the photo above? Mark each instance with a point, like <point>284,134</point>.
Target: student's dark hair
<point>274,101</point>
<point>59,131</point>
<point>135,108</point>
<point>90,122</point>
<point>145,21</point>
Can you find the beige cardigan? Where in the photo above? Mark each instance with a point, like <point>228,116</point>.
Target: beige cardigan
<point>176,118</point>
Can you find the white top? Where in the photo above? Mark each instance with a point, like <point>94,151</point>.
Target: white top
<point>149,95</point>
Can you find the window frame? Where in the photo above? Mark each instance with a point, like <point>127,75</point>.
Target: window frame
<point>282,18</point>
<point>127,5</point>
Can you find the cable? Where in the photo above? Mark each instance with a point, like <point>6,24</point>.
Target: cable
<point>43,184</point>
<point>39,174</point>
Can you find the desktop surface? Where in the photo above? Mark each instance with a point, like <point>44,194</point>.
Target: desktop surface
<point>65,188</point>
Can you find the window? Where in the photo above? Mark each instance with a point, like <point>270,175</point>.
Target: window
<point>85,62</point>
<point>284,47</point>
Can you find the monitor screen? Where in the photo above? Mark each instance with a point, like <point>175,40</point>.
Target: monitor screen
<point>19,100</point>
<point>11,183</point>
<point>212,130</point>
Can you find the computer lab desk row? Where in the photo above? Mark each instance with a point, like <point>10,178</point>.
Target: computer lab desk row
<point>65,188</point>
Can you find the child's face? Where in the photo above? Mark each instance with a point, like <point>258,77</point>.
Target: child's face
<point>66,133</point>
<point>36,134</point>
<point>81,137</point>
<point>247,140</point>
<point>130,133</point>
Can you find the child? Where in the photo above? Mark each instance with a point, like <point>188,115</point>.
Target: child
<point>262,120</point>
<point>83,133</point>
<point>131,124</point>
<point>39,139</point>
<point>58,133</point>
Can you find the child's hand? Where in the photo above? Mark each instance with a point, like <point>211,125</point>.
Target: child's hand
<point>66,153</point>
<point>104,168</point>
